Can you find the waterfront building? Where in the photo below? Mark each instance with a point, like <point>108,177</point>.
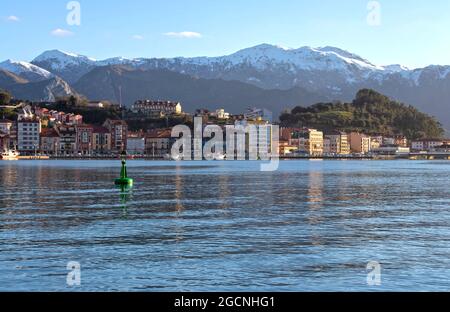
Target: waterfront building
<point>119,134</point>
<point>338,143</point>
<point>156,109</point>
<point>263,144</point>
<point>28,135</point>
<point>286,134</point>
<point>426,144</point>
<point>159,142</point>
<point>309,141</point>
<point>388,141</point>
<point>444,148</point>
<point>101,140</point>
<point>374,144</point>
<point>50,142</point>
<point>84,139</point>
<point>68,139</point>
<point>327,146</point>
<point>136,143</point>
<point>401,140</point>
<point>285,148</point>
<point>392,150</point>
<point>359,143</point>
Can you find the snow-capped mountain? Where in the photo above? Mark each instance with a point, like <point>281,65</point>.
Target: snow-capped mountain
<point>71,67</point>
<point>326,69</point>
<point>26,70</point>
<point>60,59</point>
<point>68,66</point>
<point>329,72</point>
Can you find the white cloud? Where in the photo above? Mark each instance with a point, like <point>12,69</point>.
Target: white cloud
<point>13,18</point>
<point>137,37</point>
<point>183,34</point>
<point>61,33</point>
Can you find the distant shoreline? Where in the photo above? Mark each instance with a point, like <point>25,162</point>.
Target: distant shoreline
<point>284,158</point>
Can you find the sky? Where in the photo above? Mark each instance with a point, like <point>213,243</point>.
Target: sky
<point>414,33</point>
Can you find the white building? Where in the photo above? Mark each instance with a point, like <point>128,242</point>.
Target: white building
<point>426,144</point>
<point>156,108</point>
<point>221,114</point>
<point>28,135</point>
<point>391,150</point>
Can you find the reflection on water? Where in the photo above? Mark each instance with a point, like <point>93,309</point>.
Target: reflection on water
<point>212,226</point>
<point>125,193</point>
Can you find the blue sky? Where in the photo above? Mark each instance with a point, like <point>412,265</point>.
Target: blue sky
<point>414,33</point>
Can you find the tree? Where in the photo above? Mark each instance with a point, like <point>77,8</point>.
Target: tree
<point>73,101</point>
<point>5,97</point>
<point>370,112</point>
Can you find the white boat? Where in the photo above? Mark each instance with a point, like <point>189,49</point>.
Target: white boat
<point>219,156</point>
<point>9,155</point>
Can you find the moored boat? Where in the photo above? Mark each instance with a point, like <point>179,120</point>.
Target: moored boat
<point>9,155</point>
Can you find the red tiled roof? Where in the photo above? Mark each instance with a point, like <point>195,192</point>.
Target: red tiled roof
<point>159,134</point>
<point>85,126</point>
<point>98,129</point>
<point>49,133</point>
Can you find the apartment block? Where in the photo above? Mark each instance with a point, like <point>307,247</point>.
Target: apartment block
<point>28,135</point>
<point>359,143</point>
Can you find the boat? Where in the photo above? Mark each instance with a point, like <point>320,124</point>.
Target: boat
<point>9,155</point>
<point>219,156</point>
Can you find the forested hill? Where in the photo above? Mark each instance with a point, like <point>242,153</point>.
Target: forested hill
<point>370,112</point>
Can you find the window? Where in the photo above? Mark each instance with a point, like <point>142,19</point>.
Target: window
<point>85,137</point>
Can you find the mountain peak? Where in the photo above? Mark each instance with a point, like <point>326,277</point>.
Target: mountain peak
<point>396,68</point>
<point>62,56</point>
<point>26,70</point>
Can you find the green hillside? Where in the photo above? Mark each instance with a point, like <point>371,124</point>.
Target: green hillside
<point>370,112</point>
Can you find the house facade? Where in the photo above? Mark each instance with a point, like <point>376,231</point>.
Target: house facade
<point>84,139</point>
<point>68,139</point>
<point>101,140</point>
<point>50,142</point>
<point>119,134</point>
<point>158,142</point>
<point>359,143</point>
<point>337,143</point>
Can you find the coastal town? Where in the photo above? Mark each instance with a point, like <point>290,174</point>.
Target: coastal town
<point>41,133</point>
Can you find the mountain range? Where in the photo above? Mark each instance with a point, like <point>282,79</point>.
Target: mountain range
<point>266,76</point>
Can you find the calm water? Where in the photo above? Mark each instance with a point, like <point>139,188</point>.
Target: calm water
<point>225,226</point>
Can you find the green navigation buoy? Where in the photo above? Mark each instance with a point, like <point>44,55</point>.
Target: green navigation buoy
<point>124,180</point>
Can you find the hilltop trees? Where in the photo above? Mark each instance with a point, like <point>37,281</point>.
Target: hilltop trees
<point>370,112</point>
<point>5,97</point>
